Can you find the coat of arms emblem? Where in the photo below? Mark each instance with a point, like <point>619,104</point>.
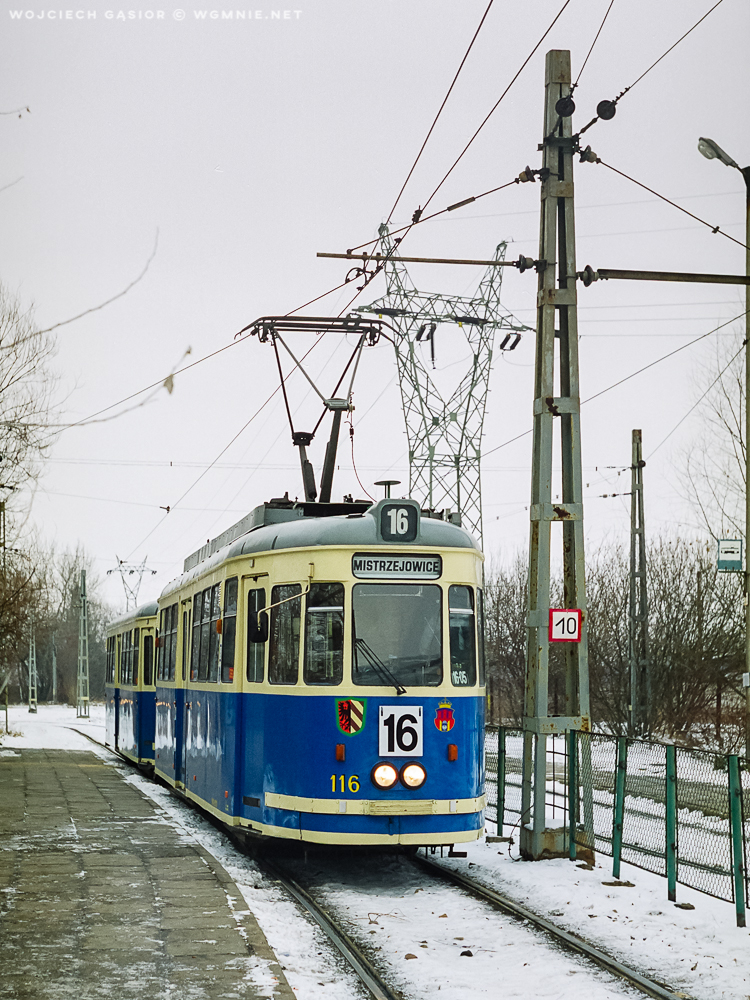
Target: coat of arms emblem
<point>351,715</point>
<point>444,718</point>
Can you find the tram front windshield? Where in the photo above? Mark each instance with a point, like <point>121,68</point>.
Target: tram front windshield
<point>396,634</point>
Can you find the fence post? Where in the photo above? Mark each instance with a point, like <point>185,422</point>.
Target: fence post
<point>670,848</point>
<point>736,833</point>
<point>572,792</point>
<point>619,807</point>
<point>500,816</point>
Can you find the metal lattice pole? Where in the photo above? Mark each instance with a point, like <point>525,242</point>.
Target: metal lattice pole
<point>640,699</point>
<point>556,297</point>
<point>82,701</point>
<point>445,435</point>
<point>32,671</point>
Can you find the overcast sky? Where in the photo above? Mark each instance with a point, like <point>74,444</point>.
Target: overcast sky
<point>251,144</point>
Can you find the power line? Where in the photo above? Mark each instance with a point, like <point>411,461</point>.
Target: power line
<point>698,401</point>
<point>440,111</point>
<point>625,379</point>
<point>681,38</point>
<point>497,103</point>
<point>588,54</point>
<point>714,229</point>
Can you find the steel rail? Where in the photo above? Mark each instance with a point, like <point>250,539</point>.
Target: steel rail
<point>569,940</point>
<point>350,951</point>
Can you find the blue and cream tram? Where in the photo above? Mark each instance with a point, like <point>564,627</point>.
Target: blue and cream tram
<point>320,676</point>
<point>129,686</point>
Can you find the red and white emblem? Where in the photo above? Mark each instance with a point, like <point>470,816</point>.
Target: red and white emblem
<point>444,718</point>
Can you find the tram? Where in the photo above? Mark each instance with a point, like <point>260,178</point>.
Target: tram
<point>129,686</point>
<point>320,676</point>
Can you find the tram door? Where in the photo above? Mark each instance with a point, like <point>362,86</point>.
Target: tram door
<point>181,703</point>
<point>116,694</point>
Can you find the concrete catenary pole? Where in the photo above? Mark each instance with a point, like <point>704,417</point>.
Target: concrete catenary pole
<point>556,299</point>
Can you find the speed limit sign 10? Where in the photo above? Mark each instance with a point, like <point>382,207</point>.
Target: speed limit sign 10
<point>564,624</point>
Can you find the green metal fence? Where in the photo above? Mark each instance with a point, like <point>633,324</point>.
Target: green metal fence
<point>675,812</point>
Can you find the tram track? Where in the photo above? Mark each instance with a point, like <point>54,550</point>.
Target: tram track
<point>572,942</point>
<point>356,956</point>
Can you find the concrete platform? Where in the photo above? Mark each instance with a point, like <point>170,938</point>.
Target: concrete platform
<point>99,898</point>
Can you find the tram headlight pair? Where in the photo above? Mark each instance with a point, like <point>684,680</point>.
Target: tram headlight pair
<point>385,775</point>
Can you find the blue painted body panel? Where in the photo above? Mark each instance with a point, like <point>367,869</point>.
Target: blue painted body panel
<point>130,722</point>
<point>239,746</point>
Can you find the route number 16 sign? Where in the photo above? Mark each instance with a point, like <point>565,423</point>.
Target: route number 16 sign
<point>564,624</point>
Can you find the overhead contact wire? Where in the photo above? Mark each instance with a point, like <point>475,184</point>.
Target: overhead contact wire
<point>440,111</point>
<point>626,378</point>
<point>588,54</point>
<point>497,103</point>
<point>714,229</point>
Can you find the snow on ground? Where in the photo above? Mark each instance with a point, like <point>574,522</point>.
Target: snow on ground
<point>397,911</point>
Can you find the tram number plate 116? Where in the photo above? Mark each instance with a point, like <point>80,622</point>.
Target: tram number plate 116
<point>400,731</point>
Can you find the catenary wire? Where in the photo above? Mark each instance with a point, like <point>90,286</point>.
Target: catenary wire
<point>698,401</point>
<point>627,378</point>
<point>497,104</point>
<point>440,111</point>
<point>588,54</point>
<point>714,229</point>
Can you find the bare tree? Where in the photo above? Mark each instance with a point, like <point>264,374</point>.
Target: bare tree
<point>712,470</point>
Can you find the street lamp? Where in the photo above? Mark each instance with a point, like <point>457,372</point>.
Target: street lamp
<point>712,151</point>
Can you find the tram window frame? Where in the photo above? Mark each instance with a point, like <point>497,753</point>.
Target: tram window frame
<point>160,641</point>
<point>195,645</point>
<point>136,651</point>
<point>205,625</point>
<point>127,659</point>
<point>288,613</point>
<point>109,675</point>
<point>148,660</point>
<point>481,664</point>
<point>173,645</point>
<point>229,630</point>
<point>364,659</point>
<point>256,651</point>
<point>316,608</point>
<point>213,635</point>
<point>462,626</point>
<point>186,635</point>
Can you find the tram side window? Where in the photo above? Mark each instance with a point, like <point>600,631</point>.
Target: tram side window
<point>160,644</point>
<point>213,640</point>
<point>111,660</point>
<point>126,673</point>
<point>480,637</point>
<point>229,631</point>
<point>256,599</point>
<point>205,630</point>
<point>173,640</point>
<point>136,650</point>
<point>148,660</point>
<point>185,641</point>
<point>324,634</point>
<point>462,636</point>
<point>195,650</point>
<point>283,657</point>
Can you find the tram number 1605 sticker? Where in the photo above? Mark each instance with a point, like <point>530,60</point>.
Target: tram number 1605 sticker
<point>400,731</point>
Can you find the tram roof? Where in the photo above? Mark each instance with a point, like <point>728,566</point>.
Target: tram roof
<point>144,611</point>
<point>355,529</point>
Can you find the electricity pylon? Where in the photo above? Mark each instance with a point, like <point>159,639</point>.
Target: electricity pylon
<point>131,586</point>
<point>445,436</point>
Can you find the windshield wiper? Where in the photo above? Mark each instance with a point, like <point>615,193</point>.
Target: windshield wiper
<point>374,661</point>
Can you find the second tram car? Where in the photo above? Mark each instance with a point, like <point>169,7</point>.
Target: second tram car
<point>320,676</point>
<point>129,684</point>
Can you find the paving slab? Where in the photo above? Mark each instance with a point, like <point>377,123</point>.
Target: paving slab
<point>100,898</point>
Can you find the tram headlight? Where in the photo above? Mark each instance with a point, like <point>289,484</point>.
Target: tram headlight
<point>384,775</point>
<point>413,775</point>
